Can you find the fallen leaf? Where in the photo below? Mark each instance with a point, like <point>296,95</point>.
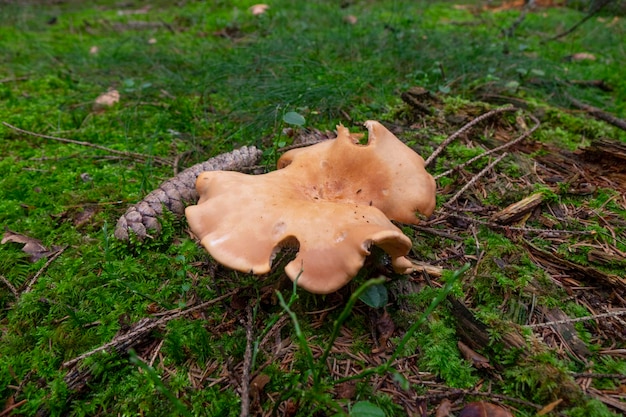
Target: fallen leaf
<point>385,327</point>
<point>258,9</point>
<point>32,246</point>
<point>256,389</point>
<point>346,390</point>
<point>478,360</point>
<point>484,409</point>
<point>94,50</point>
<point>108,99</point>
<point>152,41</point>
<point>444,409</point>
<point>351,19</point>
<point>550,407</point>
<point>581,56</point>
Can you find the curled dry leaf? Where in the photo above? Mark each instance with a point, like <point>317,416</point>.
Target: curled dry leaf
<point>484,409</point>
<point>258,9</point>
<point>478,360</point>
<point>107,99</point>
<point>444,409</point>
<point>32,246</point>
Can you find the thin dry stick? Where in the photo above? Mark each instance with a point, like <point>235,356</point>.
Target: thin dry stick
<point>499,148</point>
<point>465,129</point>
<point>10,409</point>
<point>144,326</point>
<point>588,16</point>
<point>43,268</point>
<point>125,154</point>
<point>474,179</point>
<point>10,286</point>
<point>522,229</point>
<point>247,365</point>
<point>578,319</point>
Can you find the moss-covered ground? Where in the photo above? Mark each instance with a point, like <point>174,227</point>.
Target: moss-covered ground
<point>196,79</point>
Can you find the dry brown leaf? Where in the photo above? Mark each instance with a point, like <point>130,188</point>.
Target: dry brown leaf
<point>108,99</point>
<point>351,19</point>
<point>478,360</point>
<point>550,407</point>
<point>94,50</point>
<point>582,56</point>
<point>385,327</point>
<point>484,409</point>
<point>32,246</point>
<point>346,390</point>
<point>444,409</point>
<point>258,9</point>
<point>256,389</point>
<point>152,41</point>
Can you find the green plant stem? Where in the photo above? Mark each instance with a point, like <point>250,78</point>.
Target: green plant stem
<point>301,338</point>
<point>346,312</point>
<point>385,367</point>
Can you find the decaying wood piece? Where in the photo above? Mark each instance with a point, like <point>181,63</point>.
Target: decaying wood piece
<point>476,334</point>
<point>516,210</point>
<point>176,192</point>
<point>598,113</point>
<point>586,273</point>
<point>567,332</point>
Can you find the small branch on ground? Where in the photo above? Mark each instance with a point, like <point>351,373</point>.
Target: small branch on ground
<point>578,319</point>
<point>121,344</point>
<point>247,365</point>
<point>597,7</point>
<point>464,129</point>
<point>598,113</point>
<point>496,149</point>
<point>125,154</point>
<point>43,268</point>
<point>474,179</point>
<point>13,79</point>
<point>10,286</point>
<point>508,33</point>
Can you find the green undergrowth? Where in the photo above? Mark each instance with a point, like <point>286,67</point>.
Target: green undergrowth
<point>200,78</point>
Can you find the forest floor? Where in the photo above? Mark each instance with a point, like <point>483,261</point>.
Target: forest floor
<point>518,299</point>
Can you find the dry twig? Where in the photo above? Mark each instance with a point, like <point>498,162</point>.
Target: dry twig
<point>10,286</point>
<point>247,366</point>
<point>125,154</point>
<point>578,319</point>
<point>496,149</point>
<point>123,343</point>
<point>598,113</point>
<point>43,268</point>
<point>474,179</point>
<point>464,129</point>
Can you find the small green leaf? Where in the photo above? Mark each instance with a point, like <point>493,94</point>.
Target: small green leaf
<point>293,118</point>
<point>401,380</point>
<point>537,72</point>
<point>366,409</point>
<point>375,296</point>
<point>444,89</point>
<point>512,85</point>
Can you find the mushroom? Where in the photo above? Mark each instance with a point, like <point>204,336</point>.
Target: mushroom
<point>333,200</point>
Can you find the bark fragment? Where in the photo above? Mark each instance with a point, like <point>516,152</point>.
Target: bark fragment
<point>174,194</point>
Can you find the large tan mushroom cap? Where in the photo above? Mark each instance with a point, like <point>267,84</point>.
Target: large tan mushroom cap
<point>333,199</point>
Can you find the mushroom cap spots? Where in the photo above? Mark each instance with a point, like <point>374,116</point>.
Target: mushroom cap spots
<point>335,199</point>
